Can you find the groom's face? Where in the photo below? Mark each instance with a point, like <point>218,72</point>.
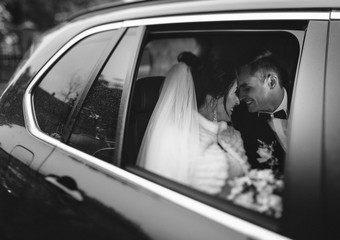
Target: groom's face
<point>253,91</point>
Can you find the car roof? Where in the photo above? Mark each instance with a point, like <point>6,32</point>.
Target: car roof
<point>53,39</point>
<point>141,9</point>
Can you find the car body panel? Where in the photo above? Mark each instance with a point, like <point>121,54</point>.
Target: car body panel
<point>10,142</point>
<point>331,165</point>
<point>116,190</point>
<point>306,131</point>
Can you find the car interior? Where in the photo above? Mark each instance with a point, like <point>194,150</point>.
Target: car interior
<point>147,91</point>
<point>160,53</point>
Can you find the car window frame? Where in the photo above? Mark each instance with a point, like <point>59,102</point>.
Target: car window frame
<point>226,206</point>
<point>29,113</point>
<point>126,96</point>
<point>118,35</point>
<point>125,90</point>
<point>218,203</point>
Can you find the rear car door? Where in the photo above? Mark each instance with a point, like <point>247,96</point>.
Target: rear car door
<point>304,156</point>
<point>82,164</point>
<point>91,155</point>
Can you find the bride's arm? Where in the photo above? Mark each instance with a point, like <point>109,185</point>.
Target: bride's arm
<point>210,172</point>
<point>231,141</point>
<point>228,137</point>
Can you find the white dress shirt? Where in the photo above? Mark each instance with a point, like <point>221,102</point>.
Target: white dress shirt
<point>280,125</point>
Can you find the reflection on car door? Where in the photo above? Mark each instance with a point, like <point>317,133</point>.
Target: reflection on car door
<point>115,188</point>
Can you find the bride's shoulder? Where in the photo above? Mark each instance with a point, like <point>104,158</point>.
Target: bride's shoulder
<point>233,130</point>
<point>207,124</point>
<point>222,125</point>
<point>227,132</point>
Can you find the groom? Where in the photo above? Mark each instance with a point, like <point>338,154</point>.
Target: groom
<point>261,119</point>
<point>262,116</point>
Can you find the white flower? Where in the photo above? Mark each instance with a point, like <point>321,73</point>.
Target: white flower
<point>258,190</point>
<point>245,200</point>
<point>275,203</point>
<point>266,175</point>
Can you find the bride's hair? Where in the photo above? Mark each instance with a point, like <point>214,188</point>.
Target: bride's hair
<point>210,76</point>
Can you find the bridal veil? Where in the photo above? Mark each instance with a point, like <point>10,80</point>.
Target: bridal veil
<point>171,141</point>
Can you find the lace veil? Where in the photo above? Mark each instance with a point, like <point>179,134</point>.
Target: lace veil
<point>171,141</point>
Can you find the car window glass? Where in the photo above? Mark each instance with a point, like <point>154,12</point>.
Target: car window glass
<point>229,132</point>
<point>95,128</point>
<point>59,90</point>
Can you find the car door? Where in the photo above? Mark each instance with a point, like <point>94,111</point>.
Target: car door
<point>181,37</point>
<point>90,176</point>
<point>303,160</point>
<point>162,208</point>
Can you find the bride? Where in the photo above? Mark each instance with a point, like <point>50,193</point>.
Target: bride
<point>188,139</point>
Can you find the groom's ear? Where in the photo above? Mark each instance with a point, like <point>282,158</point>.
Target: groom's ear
<point>271,80</point>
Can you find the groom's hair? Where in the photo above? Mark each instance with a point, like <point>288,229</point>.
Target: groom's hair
<point>262,64</point>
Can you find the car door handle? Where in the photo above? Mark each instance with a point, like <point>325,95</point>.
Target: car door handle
<point>67,185</point>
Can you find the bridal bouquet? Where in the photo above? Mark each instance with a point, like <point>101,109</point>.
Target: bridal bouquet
<point>258,190</point>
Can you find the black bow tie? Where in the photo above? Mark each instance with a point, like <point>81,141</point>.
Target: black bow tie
<point>279,114</point>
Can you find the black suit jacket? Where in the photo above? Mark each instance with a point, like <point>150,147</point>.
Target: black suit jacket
<point>256,132</point>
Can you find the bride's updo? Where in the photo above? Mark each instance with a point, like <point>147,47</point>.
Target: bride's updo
<point>210,76</point>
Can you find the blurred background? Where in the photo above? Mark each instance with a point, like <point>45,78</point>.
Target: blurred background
<point>21,21</point>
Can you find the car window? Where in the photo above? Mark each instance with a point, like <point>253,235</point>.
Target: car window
<point>95,128</point>
<point>59,90</point>
<point>260,158</point>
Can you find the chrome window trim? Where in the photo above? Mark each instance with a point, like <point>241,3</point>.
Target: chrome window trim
<point>123,107</point>
<point>335,15</point>
<point>320,15</point>
<point>30,118</point>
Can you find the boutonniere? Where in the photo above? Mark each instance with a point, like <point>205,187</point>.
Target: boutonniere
<point>265,151</point>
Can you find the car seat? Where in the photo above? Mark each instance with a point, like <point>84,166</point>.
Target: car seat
<point>145,96</point>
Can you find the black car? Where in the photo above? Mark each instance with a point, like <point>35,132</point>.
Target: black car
<point>74,114</point>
